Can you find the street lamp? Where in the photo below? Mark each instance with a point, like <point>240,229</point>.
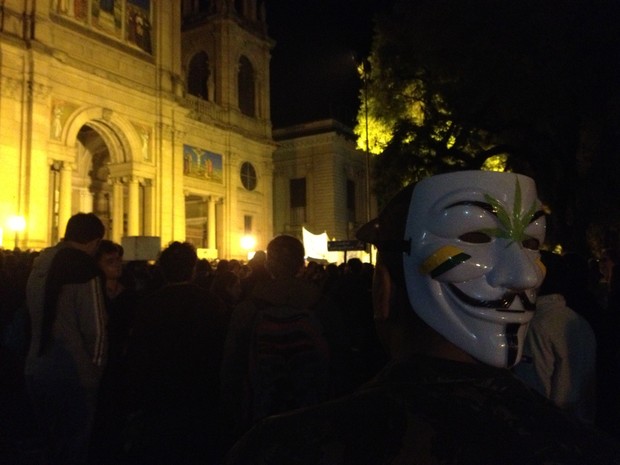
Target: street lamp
<point>248,243</point>
<point>17,224</point>
<point>364,69</point>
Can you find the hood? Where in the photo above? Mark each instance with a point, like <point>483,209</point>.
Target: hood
<point>42,263</point>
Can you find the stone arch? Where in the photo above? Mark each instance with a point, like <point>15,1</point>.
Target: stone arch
<point>119,135</point>
<point>99,143</point>
<point>199,75</point>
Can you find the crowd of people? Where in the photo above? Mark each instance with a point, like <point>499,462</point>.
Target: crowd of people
<point>166,327</point>
<point>416,359</point>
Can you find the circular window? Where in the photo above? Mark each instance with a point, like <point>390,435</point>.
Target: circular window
<point>248,176</point>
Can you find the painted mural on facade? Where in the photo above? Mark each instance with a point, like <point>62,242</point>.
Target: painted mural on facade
<point>112,17</point>
<point>200,163</point>
<point>139,24</point>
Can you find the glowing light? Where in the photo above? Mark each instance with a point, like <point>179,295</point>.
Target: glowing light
<point>495,163</point>
<point>248,242</point>
<point>17,223</point>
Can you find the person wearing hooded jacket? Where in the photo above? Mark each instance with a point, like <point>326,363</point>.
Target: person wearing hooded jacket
<point>68,346</point>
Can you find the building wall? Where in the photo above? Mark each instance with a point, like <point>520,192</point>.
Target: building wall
<point>92,117</point>
<point>324,153</point>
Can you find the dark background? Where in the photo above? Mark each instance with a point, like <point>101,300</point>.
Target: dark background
<point>313,66</point>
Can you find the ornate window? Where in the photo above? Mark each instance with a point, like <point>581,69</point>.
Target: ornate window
<point>248,176</point>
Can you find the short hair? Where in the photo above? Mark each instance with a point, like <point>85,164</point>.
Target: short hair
<point>223,280</point>
<point>258,260</point>
<point>285,256</point>
<point>107,247</point>
<point>355,265</point>
<point>84,228</point>
<point>178,262</point>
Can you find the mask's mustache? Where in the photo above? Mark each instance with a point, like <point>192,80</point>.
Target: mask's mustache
<point>502,304</point>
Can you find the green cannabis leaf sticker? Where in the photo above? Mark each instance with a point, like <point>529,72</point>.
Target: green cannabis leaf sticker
<point>512,227</point>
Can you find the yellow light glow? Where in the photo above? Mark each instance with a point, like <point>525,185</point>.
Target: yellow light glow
<point>248,242</point>
<point>16,223</point>
<point>495,163</point>
<point>379,135</point>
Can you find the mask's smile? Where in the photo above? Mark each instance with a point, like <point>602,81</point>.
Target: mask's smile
<point>501,305</point>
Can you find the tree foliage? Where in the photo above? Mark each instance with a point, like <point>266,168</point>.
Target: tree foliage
<point>453,83</point>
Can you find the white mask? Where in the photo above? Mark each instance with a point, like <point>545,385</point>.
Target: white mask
<point>474,266</point>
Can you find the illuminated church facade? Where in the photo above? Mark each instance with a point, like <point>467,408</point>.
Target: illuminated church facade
<point>152,114</point>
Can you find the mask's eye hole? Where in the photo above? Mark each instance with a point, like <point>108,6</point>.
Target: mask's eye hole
<point>475,237</point>
<point>531,243</point>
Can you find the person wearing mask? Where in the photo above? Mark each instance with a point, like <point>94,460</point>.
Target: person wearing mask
<point>454,290</point>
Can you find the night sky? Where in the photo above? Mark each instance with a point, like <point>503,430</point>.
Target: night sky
<point>313,72</point>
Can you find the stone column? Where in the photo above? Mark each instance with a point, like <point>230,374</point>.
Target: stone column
<point>133,215</point>
<point>148,208</point>
<point>86,200</point>
<point>117,209</point>
<point>64,198</point>
<point>211,222</point>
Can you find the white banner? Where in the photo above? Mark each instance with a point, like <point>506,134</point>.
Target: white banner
<point>316,248</point>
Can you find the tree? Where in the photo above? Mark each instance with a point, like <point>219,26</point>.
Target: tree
<point>455,83</point>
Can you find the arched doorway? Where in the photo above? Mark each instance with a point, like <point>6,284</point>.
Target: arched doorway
<point>81,185</point>
<point>91,190</point>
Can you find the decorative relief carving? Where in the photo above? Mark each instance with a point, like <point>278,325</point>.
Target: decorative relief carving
<point>146,135</point>
<point>60,113</point>
<point>40,92</point>
<point>10,87</point>
<point>67,166</point>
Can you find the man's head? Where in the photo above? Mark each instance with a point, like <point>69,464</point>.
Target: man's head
<point>85,230</point>
<point>285,256</point>
<point>258,260</point>
<point>465,247</point>
<point>109,257</point>
<point>178,262</point>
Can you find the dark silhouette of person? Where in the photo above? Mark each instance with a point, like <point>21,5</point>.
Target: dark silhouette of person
<point>174,362</point>
<point>69,341</point>
<point>284,369</point>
